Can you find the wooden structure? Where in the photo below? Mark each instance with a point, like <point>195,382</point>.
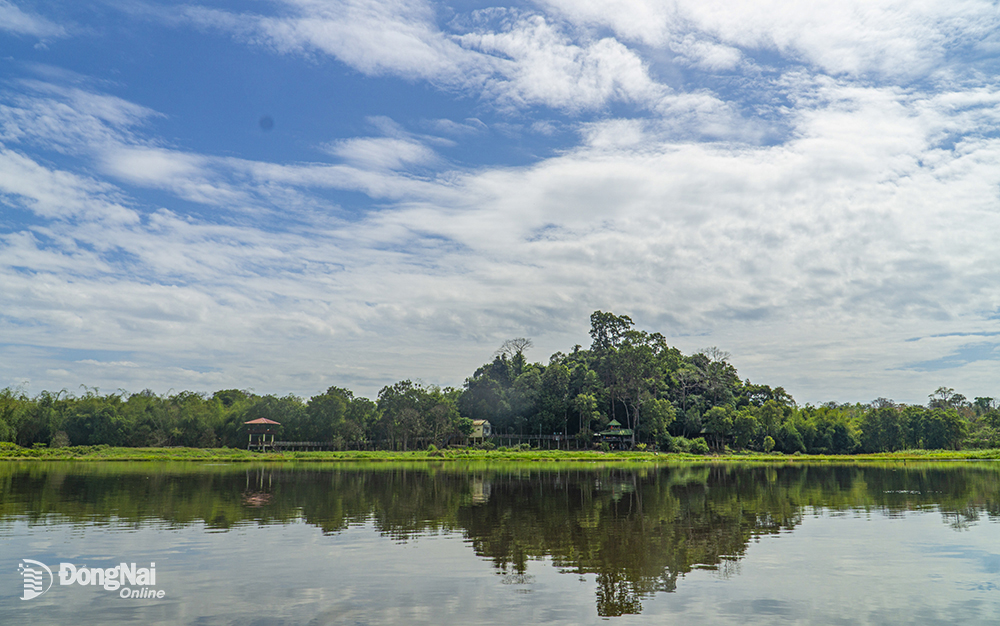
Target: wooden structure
<point>259,430</point>
<point>615,436</point>
<point>548,441</point>
<point>481,429</point>
<point>303,445</point>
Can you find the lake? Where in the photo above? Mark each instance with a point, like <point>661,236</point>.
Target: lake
<point>529,543</point>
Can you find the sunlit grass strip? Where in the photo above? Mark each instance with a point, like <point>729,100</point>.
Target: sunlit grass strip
<point>10,451</point>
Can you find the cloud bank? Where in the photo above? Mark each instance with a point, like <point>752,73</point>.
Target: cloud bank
<point>813,188</point>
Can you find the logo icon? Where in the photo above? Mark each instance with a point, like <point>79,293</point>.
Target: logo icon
<point>34,578</point>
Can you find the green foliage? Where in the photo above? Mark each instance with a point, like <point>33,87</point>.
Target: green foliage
<point>408,412</point>
<point>658,417</point>
<point>698,446</point>
<point>719,425</point>
<point>883,430</point>
<point>944,430</point>
<point>338,416</point>
<point>788,439</point>
<point>667,399</point>
<point>745,429</point>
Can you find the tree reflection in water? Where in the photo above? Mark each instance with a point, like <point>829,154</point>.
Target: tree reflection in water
<point>638,531</point>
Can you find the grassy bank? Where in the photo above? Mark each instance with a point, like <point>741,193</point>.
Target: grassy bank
<point>10,451</point>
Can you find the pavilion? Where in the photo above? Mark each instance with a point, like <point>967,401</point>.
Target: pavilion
<point>615,436</point>
<point>260,428</point>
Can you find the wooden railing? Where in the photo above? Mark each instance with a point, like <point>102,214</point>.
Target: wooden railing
<point>418,443</point>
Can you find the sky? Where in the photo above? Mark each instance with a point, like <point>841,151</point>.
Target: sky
<point>285,195</point>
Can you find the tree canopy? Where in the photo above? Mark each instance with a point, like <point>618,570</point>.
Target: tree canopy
<point>663,398</point>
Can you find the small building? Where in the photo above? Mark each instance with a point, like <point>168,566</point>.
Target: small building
<point>481,429</point>
<point>259,430</point>
<point>615,436</point>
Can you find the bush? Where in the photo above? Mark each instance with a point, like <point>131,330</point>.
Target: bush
<point>683,445</point>
<point>665,442</point>
<point>698,446</point>
<point>985,438</point>
<point>60,439</point>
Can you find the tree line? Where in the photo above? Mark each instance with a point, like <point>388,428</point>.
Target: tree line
<point>669,401</point>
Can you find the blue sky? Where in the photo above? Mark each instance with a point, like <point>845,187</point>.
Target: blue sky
<point>285,195</point>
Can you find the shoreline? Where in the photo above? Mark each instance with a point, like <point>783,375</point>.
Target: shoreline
<point>11,452</point>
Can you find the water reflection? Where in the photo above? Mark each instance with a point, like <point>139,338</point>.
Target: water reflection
<point>636,532</point>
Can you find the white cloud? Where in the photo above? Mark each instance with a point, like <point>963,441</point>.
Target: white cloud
<point>812,259</point>
<point>382,152</point>
<point>708,55</point>
<point>546,67</point>
<point>515,59</point>
<point>188,176</point>
<point>68,119</point>
<point>14,20</point>
<point>469,126</point>
<point>58,194</point>
<point>395,36</point>
<point>90,105</point>
<point>891,38</point>
<point>152,165</point>
<point>114,364</point>
<point>617,133</point>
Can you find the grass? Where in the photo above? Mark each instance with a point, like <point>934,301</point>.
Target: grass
<point>9,451</point>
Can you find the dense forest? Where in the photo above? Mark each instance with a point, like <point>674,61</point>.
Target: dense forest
<point>669,401</point>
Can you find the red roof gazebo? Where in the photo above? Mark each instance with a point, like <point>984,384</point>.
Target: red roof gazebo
<point>261,428</point>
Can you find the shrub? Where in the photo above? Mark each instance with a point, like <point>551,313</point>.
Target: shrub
<point>698,446</point>
<point>678,444</point>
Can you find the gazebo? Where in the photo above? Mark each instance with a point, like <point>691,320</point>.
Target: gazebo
<point>260,428</point>
<point>615,436</point>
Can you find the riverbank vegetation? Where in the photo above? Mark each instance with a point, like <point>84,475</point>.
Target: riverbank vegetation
<point>663,400</point>
<point>451,456</point>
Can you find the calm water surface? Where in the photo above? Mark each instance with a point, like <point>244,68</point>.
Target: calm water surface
<point>507,544</point>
